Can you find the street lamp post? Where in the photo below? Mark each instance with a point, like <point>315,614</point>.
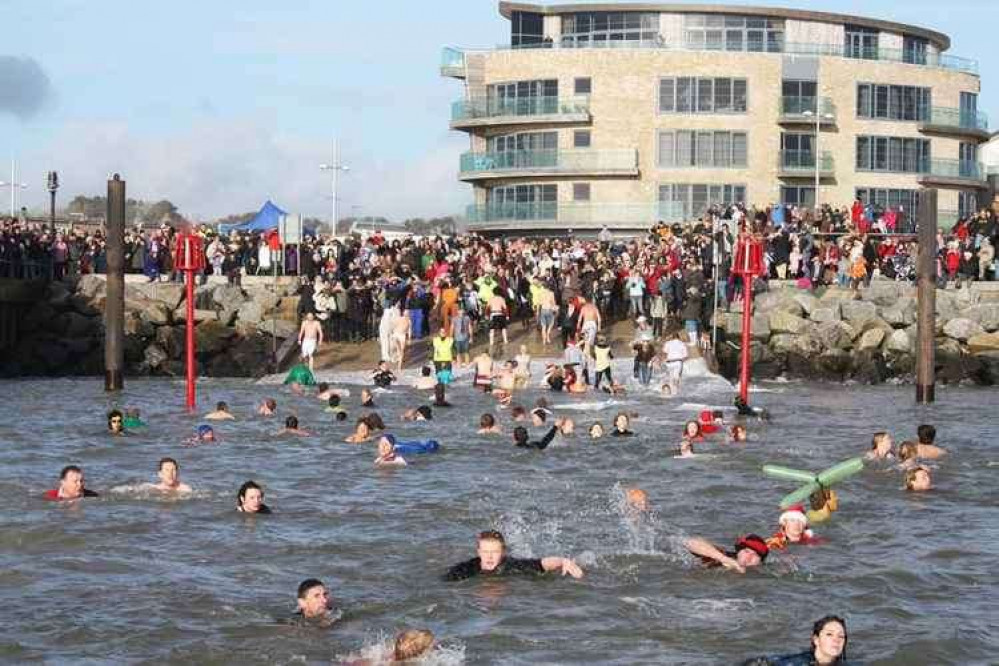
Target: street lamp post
<point>14,186</point>
<point>335,167</point>
<point>53,185</point>
<point>819,116</point>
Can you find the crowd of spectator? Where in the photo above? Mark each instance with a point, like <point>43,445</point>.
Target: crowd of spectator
<point>665,274</point>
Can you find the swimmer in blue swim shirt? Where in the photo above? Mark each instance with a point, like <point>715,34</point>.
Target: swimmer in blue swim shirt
<point>492,560</point>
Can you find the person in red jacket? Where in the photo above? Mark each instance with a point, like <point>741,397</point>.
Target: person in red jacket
<point>70,486</point>
<point>793,529</point>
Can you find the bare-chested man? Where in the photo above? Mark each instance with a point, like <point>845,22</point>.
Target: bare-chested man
<point>483,371</point>
<point>402,331</point>
<point>498,317</point>
<point>590,323</point>
<point>310,336</point>
<point>547,311</point>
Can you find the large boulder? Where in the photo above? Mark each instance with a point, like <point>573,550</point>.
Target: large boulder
<point>833,335</point>
<point>279,328</point>
<point>168,293</point>
<point>834,364</point>
<point>882,292</point>
<point>137,326</point>
<point>212,337</point>
<point>828,311</point>
<point>782,321</point>
<point>871,339</point>
<point>228,297</point>
<point>952,365</point>
<point>901,314</point>
<point>858,311</point>
<point>807,302</point>
<point>156,313</point>
<point>869,367</point>
<point>837,294</point>
<point>204,297</point>
<point>172,340</point>
<point>263,297</point>
<point>86,306</point>
<point>154,356</point>
<point>180,315</point>
<point>778,301</point>
<point>782,343</point>
<point>898,342</point>
<point>76,325</point>
<point>59,296</point>
<point>962,329</point>
<point>91,286</point>
<point>986,314</point>
<point>287,309</point>
<point>983,343</point>
<point>251,312</point>
<point>988,373</point>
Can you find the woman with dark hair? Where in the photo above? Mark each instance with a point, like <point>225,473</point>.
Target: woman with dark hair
<point>828,647</point>
<point>250,499</point>
<point>116,422</point>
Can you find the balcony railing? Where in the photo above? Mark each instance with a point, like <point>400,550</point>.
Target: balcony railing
<point>549,214</point>
<point>522,106</point>
<point>958,119</point>
<point>803,162</point>
<point>940,60</point>
<point>550,161</point>
<point>803,108</point>
<point>962,169</point>
<point>452,62</point>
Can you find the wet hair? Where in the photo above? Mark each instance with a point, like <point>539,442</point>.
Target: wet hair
<point>626,418</point>
<point>412,643</point>
<point>67,469</point>
<point>323,386</point>
<point>876,439</point>
<point>821,623</point>
<point>818,499</point>
<point>492,535</point>
<point>426,412</point>
<point>696,425</point>
<point>220,406</point>
<point>540,413</point>
<point>271,403</point>
<point>518,411</point>
<point>341,416</point>
<point>908,450</point>
<point>115,413</point>
<point>926,434</point>
<point>245,488</point>
<point>910,476</point>
<point>487,421</point>
<point>425,371</point>
<point>334,400</point>
<point>520,434</point>
<point>308,584</point>
<point>373,421</point>
<point>291,423</point>
<point>165,461</point>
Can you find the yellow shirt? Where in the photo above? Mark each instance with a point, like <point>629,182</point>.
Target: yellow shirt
<point>443,349</point>
<point>823,514</point>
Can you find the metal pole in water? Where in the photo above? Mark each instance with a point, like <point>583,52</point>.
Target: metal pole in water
<point>114,305</point>
<point>926,298</point>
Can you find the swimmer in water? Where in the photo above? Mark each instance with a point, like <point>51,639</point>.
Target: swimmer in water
<point>927,449</point>
<point>823,503</point>
<point>267,407</point>
<point>637,500</point>
<point>518,413</point>
<point>621,423</point>
<point>426,381</point>
<point>539,415</point>
<point>203,435</point>
<point>333,405</point>
<point>918,479</point>
<point>362,433</point>
<point>596,431</point>
<point>221,413</point>
<point>374,421</point>
<point>908,455</point>
<point>828,647</point>
<point>291,428</point>
<point>492,560</point>
<point>71,486</point>
<point>567,427</point>
<point>750,551</point>
<point>737,434</point>
<point>367,399</point>
<point>133,419</point>
<point>614,389</point>
<point>116,423</point>
<point>882,447</point>
<point>685,450</point>
<point>314,603</point>
<point>382,376</point>
<point>169,474</point>
<point>792,528</point>
<point>666,390</point>
<point>488,425</point>
<point>387,457</point>
<point>521,440</point>
<point>421,413</point>
<point>692,431</point>
<point>250,499</point>
<point>412,644</point>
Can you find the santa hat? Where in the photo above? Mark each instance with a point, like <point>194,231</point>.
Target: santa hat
<point>793,512</point>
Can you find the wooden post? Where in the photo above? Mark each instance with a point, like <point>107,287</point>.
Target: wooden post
<point>926,296</point>
<point>114,304</point>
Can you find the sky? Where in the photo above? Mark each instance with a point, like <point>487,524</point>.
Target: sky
<point>218,106</point>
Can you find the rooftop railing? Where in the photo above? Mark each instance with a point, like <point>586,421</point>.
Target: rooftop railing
<point>944,168</point>
<point>557,161</point>
<point>522,106</point>
<point>939,60</point>
<point>972,120</point>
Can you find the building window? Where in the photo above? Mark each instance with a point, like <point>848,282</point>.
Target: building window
<point>967,204</point>
<point>523,142</point>
<point>602,29</point>
<point>580,191</point>
<point>794,195</point>
<point>684,201</point>
<point>861,42</point>
<point>914,50</point>
<point>968,160</point>
<point>969,109</point>
<point>702,95</point>
<point>900,200</point>
<point>704,149</point>
<point>799,96</point>
<point>797,150</point>
<point>583,86</point>
<point>888,102</point>
<point>731,32</point>
<point>527,29</point>
<point>581,139</point>
<point>520,94</point>
<point>893,154</point>
<point>522,202</point>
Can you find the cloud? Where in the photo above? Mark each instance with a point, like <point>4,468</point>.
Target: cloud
<point>24,87</point>
<point>214,168</point>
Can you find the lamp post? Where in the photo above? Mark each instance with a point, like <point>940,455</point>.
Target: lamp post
<point>335,167</point>
<point>14,186</point>
<point>53,185</point>
<point>819,116</point>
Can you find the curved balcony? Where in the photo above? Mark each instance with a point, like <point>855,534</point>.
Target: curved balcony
<point>469,114</point>
<point>955,122</point>
<point>801,111</point>
<point>801,164</point>
<point>552,215</point>
<point>960,174</point>
<point>540,163</point>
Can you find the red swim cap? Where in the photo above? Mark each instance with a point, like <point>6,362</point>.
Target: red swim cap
<point>754,543</point>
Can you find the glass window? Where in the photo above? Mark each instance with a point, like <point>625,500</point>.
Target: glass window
<point>609,28</point>
<point>581,139</point>
<point>583,86</point>
<point>723,149</point>
<point>580,191</point>
<point>861,42</point>
<point>740,95</point>
<point>704,149</point>
<point>914,50</point>
<point>684,95</point>
<point>803,197</point>
<point>740,150</point>
<point>863,153</point>
<point>723,95</point>
<point>892,154</point>
<point>527,29</point>
<point>667,157</point>
<point>732,32</point>
<point>705,95</point>
<point>667,93</point>
<point>684,148</point>
<point>865,97</point>
<point>893,102</point>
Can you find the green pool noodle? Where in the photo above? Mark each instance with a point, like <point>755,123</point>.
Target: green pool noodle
<point>300,374</point>
<point>837,473</point>
<point>788,474</point>
<point>799,495</point>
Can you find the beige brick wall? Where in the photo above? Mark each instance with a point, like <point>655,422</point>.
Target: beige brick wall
<point>624,107</point>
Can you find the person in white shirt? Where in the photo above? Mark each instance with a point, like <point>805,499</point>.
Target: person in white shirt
<point>675,354</point>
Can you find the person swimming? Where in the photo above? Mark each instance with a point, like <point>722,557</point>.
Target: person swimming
<point>828,648</point>
<point>267,407</point>
<point>204,434</point>
<point>71,486</point>
<point>750,551</point>
<point>823,503</point>
<point>116,423</point>
<point>521,439</point>
<point>382,376</point>
<point>333,405</point>
<point>367,399</point>
<point>362,433</point>
<point>291,427</point>
<point>918,479</point>
<point>637,500</point>
<point>133,418</point>
<point>596,431</point>
<point>168,472</point>
<point>685,450</point>
<point>426,380</point>
<point>314,604</point>
<point>387,456</point>
<point>488,425</point>
<point>927,450</point>
<point>221,413</point>
<point>738,434</point>
<point>421,413</point>
<point>792,528</point>
<point>621,423</point>
<point>882,447</point>
<point>492,560</point>
<point>250,499</point>
<point>692,431</point>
